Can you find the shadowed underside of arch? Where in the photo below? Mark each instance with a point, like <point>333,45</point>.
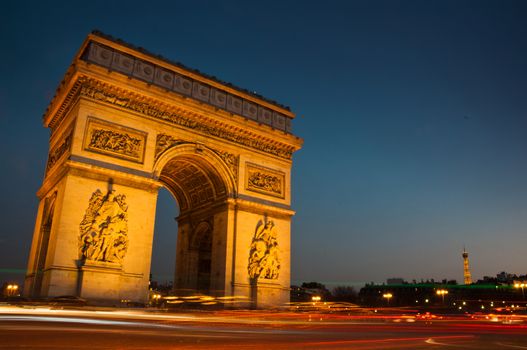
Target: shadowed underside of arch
<point>197,182</point>
<point>193,181</point>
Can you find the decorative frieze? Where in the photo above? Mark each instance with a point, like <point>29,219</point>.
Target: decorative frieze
<point>264,260</point>
<point>92,90</point>
<point>115,140</point>
<point>264,180</point>
<point>58,151</point>
<point>104,228</point>
<point>153,74</point>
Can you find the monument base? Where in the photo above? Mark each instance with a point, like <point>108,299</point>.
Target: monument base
<point>98,278</point>
<point>263,294</point>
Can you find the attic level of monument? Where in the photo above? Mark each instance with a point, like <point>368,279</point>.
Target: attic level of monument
<point>188,69</point>
<point>116,57</point>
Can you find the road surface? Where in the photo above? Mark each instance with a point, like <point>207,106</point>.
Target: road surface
<point>50,328</point>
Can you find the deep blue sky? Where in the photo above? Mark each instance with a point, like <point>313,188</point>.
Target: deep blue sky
<point>414,115</point>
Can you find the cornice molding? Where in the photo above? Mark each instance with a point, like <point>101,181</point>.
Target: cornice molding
<point>139,65</point>
<point>95,90</point>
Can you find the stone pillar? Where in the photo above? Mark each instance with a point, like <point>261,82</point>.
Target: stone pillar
<point>261,244</point>
<point>108,279</point>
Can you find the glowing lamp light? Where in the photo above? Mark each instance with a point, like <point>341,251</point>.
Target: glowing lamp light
<point>442,293</point>
<point>522,286</point>
<point>387,296</point>
<point>12,289</point>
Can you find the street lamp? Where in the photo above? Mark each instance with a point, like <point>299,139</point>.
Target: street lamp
<point>12,289</point>
<point>387,296</point>
<point>442,293</point>
<point>521,285</point>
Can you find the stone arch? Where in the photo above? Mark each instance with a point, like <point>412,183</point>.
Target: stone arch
<point>127,121</point>
<point>195,174</point>
<point>200,246</point>
<point>201,183</point>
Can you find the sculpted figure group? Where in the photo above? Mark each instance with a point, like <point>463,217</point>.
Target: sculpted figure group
<point>265,182</point>
<point>263,258</point>
<point>117,142</point>
<point>104,229</point>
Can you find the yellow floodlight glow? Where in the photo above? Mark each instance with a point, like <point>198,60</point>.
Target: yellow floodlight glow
<point>387,296</point>
<point>12,289</point>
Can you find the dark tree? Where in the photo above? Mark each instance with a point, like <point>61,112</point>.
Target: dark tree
<point>344,293</point>
<point>313,285</point>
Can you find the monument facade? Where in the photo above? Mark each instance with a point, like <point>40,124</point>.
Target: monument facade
<point>125,123</point>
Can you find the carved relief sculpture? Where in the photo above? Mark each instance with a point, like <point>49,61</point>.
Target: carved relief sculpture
<point>266,181</point>
<point>104,229</point>
<point>99,92</point>
<point>115,140</point>
<point>232,162</point>
<point>184,85</point>
<point>264,261</point>
<point>164,142</point>
<point>56,153</point>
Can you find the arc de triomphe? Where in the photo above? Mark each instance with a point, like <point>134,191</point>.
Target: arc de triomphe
<point>123,124</point>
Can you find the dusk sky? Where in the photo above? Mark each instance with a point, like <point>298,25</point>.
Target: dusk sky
<point>413,113</point>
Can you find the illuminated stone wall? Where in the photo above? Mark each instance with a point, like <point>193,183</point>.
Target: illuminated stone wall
<point>117,137</point>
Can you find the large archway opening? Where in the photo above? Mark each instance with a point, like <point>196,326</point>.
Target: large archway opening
<point>197,181</point>
<point>164,245</point>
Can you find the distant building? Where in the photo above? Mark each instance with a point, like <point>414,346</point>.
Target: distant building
<point>426,295</point>
<point>395,280</point>
<point>307,291</point>
<point>503,278</point>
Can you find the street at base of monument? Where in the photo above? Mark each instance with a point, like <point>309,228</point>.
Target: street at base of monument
<point>48,327</point>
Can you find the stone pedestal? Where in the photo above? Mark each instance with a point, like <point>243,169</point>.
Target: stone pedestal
<point>100,281</point>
